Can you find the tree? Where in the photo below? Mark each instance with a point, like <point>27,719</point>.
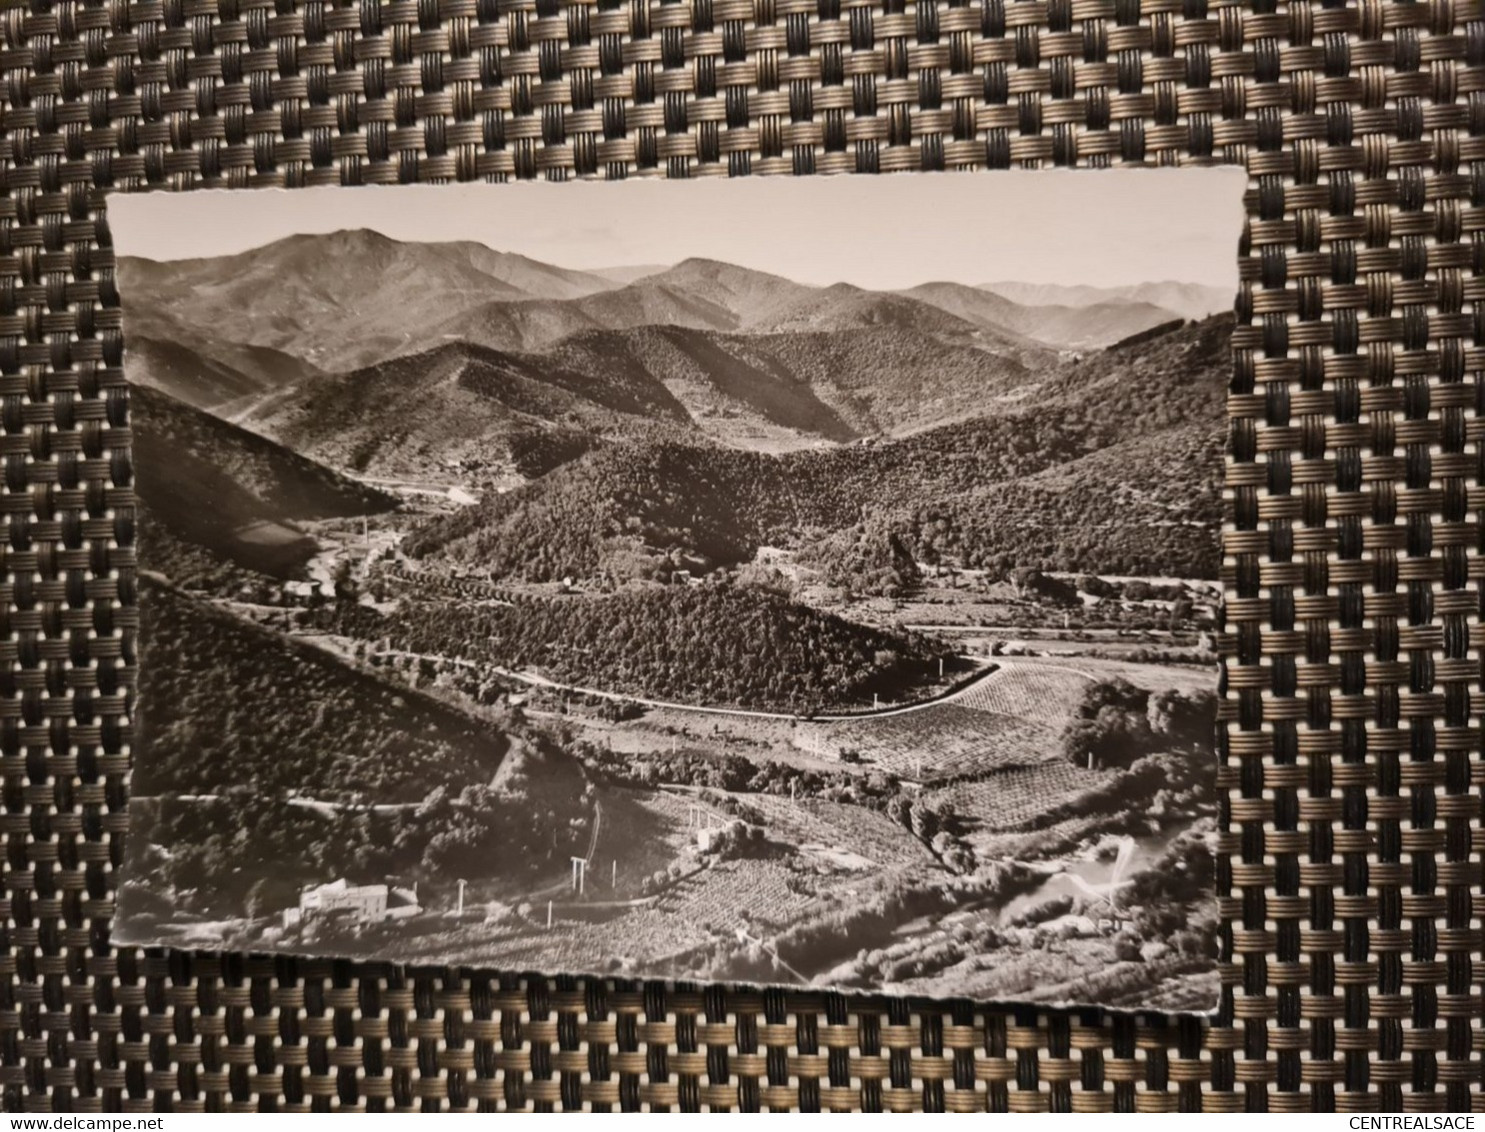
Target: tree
<point>1180,612</point>
<point>1095,586</point>
<point>1031,582</point>
<point>1025,580</point>
<point>900,810</point>
<point>257,899</point>
<point>1112,728</point>
<point>925,823</point>
<point>343,579</point>
<point>1184,719</point>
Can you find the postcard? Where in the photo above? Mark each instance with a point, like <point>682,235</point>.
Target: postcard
<point>792,581</point>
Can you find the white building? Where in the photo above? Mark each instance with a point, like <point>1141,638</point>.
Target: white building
<point>365,902</point>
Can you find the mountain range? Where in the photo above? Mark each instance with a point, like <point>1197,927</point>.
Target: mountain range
<point>701,409</point>
<point>478,407</point>
<point>1112,466</point>
<point>295,295</point>
<point>1187,300</point>
<point>1172,298</point>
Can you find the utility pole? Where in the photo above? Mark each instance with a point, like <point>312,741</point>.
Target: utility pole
<point>461,897</point>
<point>579,874</point>
<point>614,880</point>
<point>549,915</point>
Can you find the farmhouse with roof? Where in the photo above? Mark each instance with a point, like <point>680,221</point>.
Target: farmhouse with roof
<point>367,903</point>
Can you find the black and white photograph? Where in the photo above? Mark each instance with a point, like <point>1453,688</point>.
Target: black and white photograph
<point>784,581</point>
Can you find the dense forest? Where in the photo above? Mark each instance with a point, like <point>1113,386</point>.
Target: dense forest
<point>709,644</point>
<point>1106,470</point>
<point>600,512</point>
<point>226,704</point>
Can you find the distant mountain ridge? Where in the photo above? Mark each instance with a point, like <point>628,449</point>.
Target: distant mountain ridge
<point>643,410</point>
<point>345,300</point>
<point>1079,326</point>
<point>471,405</point>
<point>1187,300</point>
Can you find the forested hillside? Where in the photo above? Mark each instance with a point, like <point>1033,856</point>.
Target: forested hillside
<point>711,644</point>
<point>226,704</point>
<point>1112,467</point>
<point>231,493</point>
<point>289,485</point>
<point>457,403</point>
<point>209,373</point>
<point>473,404</point>
<point>612,510</point>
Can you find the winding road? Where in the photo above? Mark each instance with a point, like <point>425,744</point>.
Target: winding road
<point>536,680</point>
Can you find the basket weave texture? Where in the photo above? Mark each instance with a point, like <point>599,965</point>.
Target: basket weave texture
<point>1349,869</point>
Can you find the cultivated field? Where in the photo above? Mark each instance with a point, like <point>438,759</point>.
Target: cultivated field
<point>1185,678</point>
<point>841,837</point>
<point>698,911</point>
<point>1012,799</point>
<point>941,741</point>
<point>1041,693</point>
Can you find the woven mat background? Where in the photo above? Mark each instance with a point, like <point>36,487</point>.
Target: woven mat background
<point>1350,868</point>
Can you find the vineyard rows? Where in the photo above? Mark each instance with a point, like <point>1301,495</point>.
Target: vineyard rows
<point>1012,798</point>
<point>835,825</point>
<point>718,898</point>
<point>1041,694</point>
<point>943,741</point>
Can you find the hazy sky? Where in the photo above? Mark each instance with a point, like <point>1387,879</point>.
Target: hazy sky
<point>1099,227</point>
